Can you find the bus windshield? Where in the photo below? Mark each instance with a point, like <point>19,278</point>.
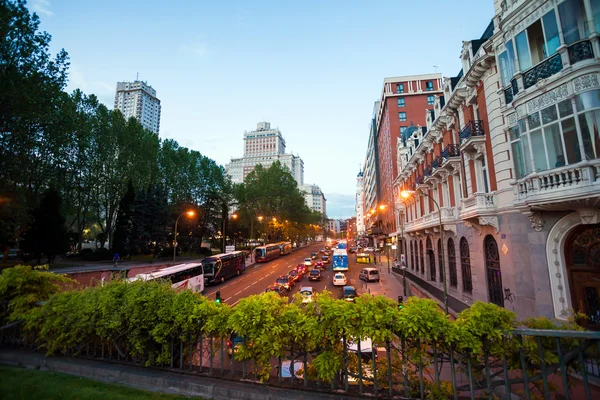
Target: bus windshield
<point>208,267</point>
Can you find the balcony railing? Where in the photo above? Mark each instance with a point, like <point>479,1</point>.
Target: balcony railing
<point>437,162</point>
<point>478,204</point>
<point>543,70</point>
<point>559,186</point>
<point>452,150</point>
<point>427,171</point>
<point>580,51</point>
<point>515,86</point>
<point>473,128</point>
<point>420,179</point>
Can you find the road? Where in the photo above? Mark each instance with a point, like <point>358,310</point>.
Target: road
<point>258,277</point>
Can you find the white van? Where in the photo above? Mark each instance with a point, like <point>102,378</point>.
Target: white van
<point>369,275</point>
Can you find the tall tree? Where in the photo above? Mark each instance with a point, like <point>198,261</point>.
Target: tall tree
<point>47,234</point>
<point>122,239</point>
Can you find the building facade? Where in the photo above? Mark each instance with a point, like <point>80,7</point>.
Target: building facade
<point>138,99</point>
<point>510,163</point>
<point>371,176</point>
<point>264,146</point>
<point>405,102</point>
<point>315,199</point>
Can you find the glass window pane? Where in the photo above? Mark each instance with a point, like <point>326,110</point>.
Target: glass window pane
<point>534,120</point>
<point>556,155</point>
<point>596,14</point>
<point>551,32</point>
<point>565,108</point>
<point>519,160</point>
<point>571,141</point>
<point>522,126</point>
<point>571,17</point>
<point>514,133</point>
<point>549,114</point>
<point>589,123</point>
<point>539,152</point>
<point>587,100</point>
<point>510,52</point>
<point>526,156</point>
<point>523,51</point>
<point>504,69</point>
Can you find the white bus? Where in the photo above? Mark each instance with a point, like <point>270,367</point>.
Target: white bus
<point>184,276</point>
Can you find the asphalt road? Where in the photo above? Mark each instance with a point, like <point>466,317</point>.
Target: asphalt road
<point>258,277</point>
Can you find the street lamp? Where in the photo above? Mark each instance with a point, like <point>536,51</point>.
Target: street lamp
<point>233,216</point>
<point>190,214</point>
<point>406,194</point>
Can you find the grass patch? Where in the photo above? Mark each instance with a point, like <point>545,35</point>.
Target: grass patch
<point>27,384</point>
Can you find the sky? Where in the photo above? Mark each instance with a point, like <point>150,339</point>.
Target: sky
<point>313,68</point>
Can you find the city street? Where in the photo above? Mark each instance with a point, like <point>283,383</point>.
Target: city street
<point>258,277</point>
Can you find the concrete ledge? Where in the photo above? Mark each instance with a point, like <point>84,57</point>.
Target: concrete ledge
<point>158,380</point>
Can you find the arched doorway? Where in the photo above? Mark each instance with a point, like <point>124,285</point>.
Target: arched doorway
<point>582,256</point>
<point>430,259</point>
<point>494,276</point>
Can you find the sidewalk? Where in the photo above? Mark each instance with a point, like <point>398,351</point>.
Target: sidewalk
<point>390,284</point>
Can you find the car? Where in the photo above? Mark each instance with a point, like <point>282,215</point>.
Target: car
<point>307,294</point>
<point>301,268</point>
<point>369,275</point>
<point>339,279</point>
<point>314,275</point>
<point>313,256</point>
<point>320,264</point>
<point>322,250</point>
<point>327,248</point>
<point>233,343</point>
<point>349,293</point>
<point>295,275</point>
<point>13,254</point>
<point>325,259</point>
<point>308,262</point>
<point>327,252</point>
<point>286,281</point>
<point>276,288</point>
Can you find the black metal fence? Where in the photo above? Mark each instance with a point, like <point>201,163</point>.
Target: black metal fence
<point>546,364</point>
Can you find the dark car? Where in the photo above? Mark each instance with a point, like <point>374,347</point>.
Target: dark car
<point>276,288</point>
<point>313,255</point>
<point>314,275</point>
<point>286,281</point>
<point>295,275</point>
<point>349,293</point>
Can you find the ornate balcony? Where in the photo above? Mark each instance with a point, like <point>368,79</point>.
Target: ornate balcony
<point>580,51</point>
<point>543,70</point>
<point>427,171</point>
<point>563,188</point>
<point>431,221</point>
<point>472,137</point>
<point>480,209</point>
<point>515,86</point>
<point>437,162</point>
<point>508,95</point>
<point>452,150</point>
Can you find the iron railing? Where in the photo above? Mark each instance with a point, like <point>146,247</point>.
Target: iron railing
<point>437,162</point>
<point>452,150</point>
<point>515,86</point>
<point>508,95</point>
<point>580,51</point>
<point>536,363</point>
<point>420,179</point>
<point>427,170</point>
<point>473,128</point>
<point>543,70</point>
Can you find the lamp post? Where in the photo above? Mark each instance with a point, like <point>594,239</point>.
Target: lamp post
<point>233,216</point>
<point>189,213</point>
<point>402,265</point>
<point>405,194</point>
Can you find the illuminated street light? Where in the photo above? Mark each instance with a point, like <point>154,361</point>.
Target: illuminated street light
<point>189,213</point>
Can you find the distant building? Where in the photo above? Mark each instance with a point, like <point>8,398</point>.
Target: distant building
<point>315,200</point>
<point>360,222</point>
<point>264,146</point>
<point>138,99</point>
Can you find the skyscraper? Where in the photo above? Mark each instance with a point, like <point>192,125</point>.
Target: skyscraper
<point>138,99</point>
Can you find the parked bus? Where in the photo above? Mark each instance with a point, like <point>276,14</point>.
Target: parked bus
<point>219,267</point>
<point>285,248</point>
<point>340,260</point>
<point>184,276</point>
<point>267,253</point>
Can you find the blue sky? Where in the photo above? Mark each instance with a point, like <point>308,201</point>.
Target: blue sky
<point>312,68</point>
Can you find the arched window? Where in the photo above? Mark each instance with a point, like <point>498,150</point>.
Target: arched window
<point>465,265</point>
<point>492,266</point>
<point>431,259</point>
<point>412,257</point>
<point>441,260</point>
<point>422,257</point>
<point>452,263</point>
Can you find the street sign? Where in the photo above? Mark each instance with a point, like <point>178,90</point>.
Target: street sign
<point>229,249</point>
<point>394,247</point>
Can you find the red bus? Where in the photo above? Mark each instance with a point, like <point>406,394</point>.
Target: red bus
<point>267,253</point>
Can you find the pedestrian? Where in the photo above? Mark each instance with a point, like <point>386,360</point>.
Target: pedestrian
<point>116,258</point>
<point>375,259</point>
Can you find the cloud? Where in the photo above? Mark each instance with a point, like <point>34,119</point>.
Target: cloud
<point>42,7</point>
<point>340,205</point>
<point>103,90</point>
<point>193,49</point>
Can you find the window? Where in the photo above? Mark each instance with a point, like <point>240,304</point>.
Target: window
<point>399,88</point>
<point>430,100</point>
<point>452,263</point>
<point>494,276</point>
<point>402,129</point>
<point>401,102</point>
<point>465,264</point>
<point>507,63</point>
<point>441,260</point>
<point>484,176</point>
<point>402,116</point>
<point>431,259</point>
<point>412,257</point>
<point>573,20</point>
<point>422,257</point>
<point>429,85</point>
